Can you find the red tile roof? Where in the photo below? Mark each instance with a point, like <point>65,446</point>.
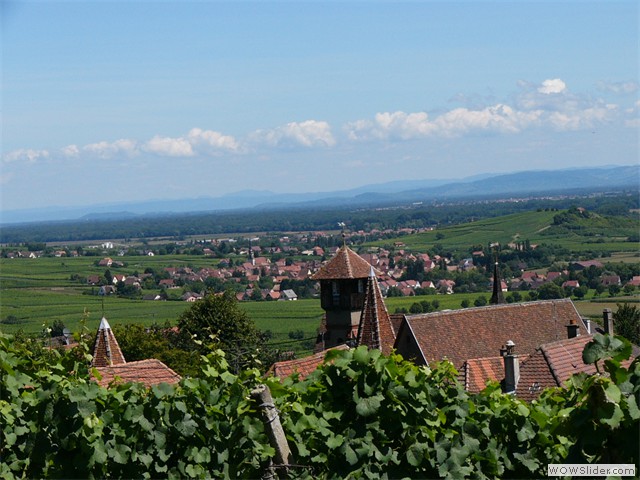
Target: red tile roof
<point>148,372</point>
<point>375,329</point>
<point>551,365</point>
<point>346,264</point>
<point>535,376</point>
<point>302,366</point>
<point>564,358</point>
<point>478,371</point>
<point>480,332</point>
<point>106,351</point>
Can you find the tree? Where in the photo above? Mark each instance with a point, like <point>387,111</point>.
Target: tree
<point>614,290</point>
<point>465,303</point>
<point>550,291</point>
<point>481,301</point>
<point>57,328</point>
<point>108,277</point>
<point>626,322</point>
<point>516,296</point>
<point>580,291</point>
<point>415,308</point>
<point>138,342</point>
<point>217,321</point>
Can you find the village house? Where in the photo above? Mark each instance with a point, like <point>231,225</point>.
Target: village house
<point>608,280</point>
<point>105,262</point>
<point>524,346</point>
<point>110,363</point>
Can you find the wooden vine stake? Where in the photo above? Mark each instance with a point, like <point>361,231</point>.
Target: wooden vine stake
<point>283,458</point>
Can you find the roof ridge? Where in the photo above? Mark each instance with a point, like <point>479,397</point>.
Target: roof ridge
<point>348,260</point>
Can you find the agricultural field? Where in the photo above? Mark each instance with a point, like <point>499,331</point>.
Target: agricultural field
<point>37,292</point>
<point>42,290</point>
<point>536,227</point>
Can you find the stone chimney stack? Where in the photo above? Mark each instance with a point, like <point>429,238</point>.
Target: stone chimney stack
<point>572,329</point>
<point>511,368</point>
<point>607,321</point>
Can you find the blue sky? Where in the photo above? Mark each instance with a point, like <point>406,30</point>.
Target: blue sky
<point>122,101</point>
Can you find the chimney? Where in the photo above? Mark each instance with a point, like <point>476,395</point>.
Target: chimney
<point>572,329</point>
<point>607,321</point>
<point>587,324</point>
<point>511,368</point>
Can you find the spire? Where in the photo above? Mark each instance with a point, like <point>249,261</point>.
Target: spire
<point>106,351</point>
<point>497,296</point>
<point>375,329</point>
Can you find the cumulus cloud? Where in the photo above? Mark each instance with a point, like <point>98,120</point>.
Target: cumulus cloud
<point>401,125</point>
<point>386,125</point>
<point>70,151</point>
<point>107,150</point>
<point>212,142</point>
<point>500,118</point>
<point>169,147</point>
<point>550,86</point>
<point>25,155</point>
<point>310,133</point>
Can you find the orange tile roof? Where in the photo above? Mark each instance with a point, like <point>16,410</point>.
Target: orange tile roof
<point>148,372</point>
<point>375,329</point>
<point>480,332</point>
<point>346,264</point>
<point>550,365</point>
<point>302,366</point>
<point>477,372</point>
<point>535,376</point>
<point>106,351</point>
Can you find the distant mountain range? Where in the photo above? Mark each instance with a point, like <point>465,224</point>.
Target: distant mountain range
<point>397,192</point>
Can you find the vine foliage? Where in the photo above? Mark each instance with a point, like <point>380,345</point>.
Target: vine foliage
<point>360,415</point>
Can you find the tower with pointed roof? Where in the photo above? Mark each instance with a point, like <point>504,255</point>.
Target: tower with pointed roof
<point>106,351</point>
<point>375,329</point>
<point>342,293</point>
<point>497,296</point>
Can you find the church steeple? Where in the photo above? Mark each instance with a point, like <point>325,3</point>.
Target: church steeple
<point>497,296</point>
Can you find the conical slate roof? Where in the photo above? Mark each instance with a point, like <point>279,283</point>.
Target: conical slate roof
<point>106,351</point>
<point>346,264</point>
<point>375,329</point>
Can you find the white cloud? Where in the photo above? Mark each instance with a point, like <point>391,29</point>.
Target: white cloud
<point>401,125</point>
<point>310,133</point>
<point>106,150</point>
<point>70,151</point>
<point>550,86</point>
<point>169,147</point>
<point>25,155</point>
<point>212,142</point>
<point>500,118</point>
<point>391,125</point>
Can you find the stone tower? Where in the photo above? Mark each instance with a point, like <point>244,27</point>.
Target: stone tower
<point>342,292</point>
